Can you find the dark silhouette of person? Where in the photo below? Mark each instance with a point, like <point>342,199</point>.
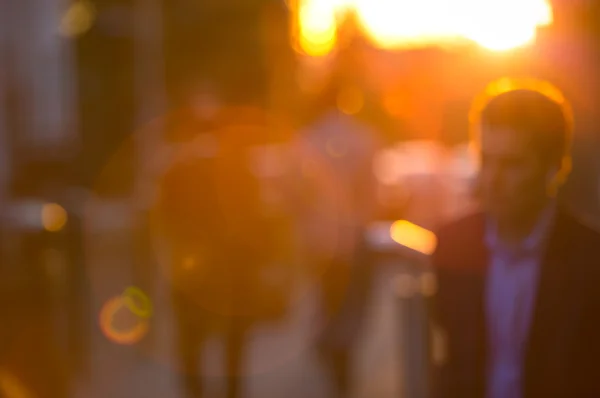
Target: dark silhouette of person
<point>337,151</point>
<point>221,241</point>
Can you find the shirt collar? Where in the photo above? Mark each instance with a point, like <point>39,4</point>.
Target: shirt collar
<point>535,240</point>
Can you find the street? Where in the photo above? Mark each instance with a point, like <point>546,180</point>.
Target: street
<point>282,362</point>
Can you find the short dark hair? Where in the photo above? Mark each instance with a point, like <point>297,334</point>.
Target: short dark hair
<point>531,112</point>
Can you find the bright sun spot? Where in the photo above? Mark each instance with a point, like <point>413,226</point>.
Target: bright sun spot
<point>396,24</point>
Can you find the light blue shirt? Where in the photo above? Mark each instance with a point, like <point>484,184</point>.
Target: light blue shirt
<point>511,290</point>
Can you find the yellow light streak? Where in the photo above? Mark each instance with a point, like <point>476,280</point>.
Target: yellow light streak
<point>413,236</point>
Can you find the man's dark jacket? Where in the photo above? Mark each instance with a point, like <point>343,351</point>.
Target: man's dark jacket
<point>562,357</point>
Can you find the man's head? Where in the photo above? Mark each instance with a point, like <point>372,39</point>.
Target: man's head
<point>524,144</point>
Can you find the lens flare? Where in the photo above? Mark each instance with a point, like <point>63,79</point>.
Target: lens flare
<point>132,297</point>
<point>125,337</point>
<point>139,306</point>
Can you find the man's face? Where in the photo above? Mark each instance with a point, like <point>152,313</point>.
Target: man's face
<point>513,178</point>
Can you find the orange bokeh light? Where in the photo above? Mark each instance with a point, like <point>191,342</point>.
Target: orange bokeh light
<point>54,217</point>
<point>413,236</point>
<point>317,27</point>
<point>126,337</point>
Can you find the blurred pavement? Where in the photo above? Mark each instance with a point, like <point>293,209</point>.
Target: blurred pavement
<point>282,363</point>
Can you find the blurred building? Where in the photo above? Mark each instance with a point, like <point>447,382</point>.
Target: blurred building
<point>40,98</point>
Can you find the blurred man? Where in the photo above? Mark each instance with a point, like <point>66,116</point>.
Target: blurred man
<point>518,282</point>
<point>337,152</point>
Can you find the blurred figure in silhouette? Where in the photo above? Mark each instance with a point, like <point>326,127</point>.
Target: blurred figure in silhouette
<point>221,239</point>
<point>337,152</point>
